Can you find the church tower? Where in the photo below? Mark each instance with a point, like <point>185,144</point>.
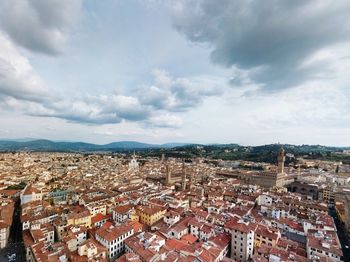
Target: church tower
<point>183,184</point>
<point>280,159</point>
<point>133,164</point>
<point>167,174</point>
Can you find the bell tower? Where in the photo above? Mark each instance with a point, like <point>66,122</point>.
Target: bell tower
<point>183,184</point>
<point>280,159</point>
<point>167,174</point>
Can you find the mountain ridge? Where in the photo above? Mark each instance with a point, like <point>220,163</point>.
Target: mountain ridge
<point>49,145</point>
<point>71,146</point>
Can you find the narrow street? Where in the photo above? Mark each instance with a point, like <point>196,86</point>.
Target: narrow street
<point>342,234</point>
<point>15,245</point>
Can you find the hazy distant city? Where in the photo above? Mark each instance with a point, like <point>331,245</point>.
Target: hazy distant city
<point>174,131</point>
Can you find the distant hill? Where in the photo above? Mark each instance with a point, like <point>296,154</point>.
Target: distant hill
<point>264,153</point>
<point>47,145</point>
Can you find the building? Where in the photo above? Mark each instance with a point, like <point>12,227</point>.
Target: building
<point>133,165</point>
<point>171,217</point>
<point>265,235</point>
<point>6,214</point>
<point>307,189</point>
<point>30,194</point>
<point>150,215</point>
<point>264,178</point>
<point>347,213</point>
<point>99,220</point>
<point>76,235</point>
<point>146,245</point>
<point>113,237</point>
<point>326,194</point>
<point>122,213</point>
<point>323,244</point>
<point>167,175</point>
<point>242,239</point>
<point>280,159</point>
<point>79,219</point>
<point>97,208</point>
<point>183,177</point>
<point>45,232</point>
<point>90,250</point>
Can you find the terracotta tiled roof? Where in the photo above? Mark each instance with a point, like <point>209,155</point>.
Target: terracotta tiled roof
<point>113,233</point>
<point>99,217</point>
<point>122,209</point>
<point>30,190</point>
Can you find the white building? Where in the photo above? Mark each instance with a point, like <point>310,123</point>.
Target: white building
<point>30,194</point>
<point>6,211</point>
<point>133,165</point>
<point>323,244</point>
<point>171,217</point>
<point>4,234</point>
<point>265,200</point>
<point>75,237</point>
<point>242,239</point>
<point>122,213</point>
<point>97,208</point>
<point>113,239</point>
<point>92,250</point>
<point>41,218</point>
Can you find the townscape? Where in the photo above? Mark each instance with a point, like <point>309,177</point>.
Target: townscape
<point>174,131</point>
<point>121,207</point>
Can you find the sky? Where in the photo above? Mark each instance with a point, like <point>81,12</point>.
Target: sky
<point>157,71</point>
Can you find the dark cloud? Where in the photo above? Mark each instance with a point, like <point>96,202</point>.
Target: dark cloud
<point>39,25</point>
<point>272,37</point>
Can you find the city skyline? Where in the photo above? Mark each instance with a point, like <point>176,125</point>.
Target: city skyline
<point>191,71</point>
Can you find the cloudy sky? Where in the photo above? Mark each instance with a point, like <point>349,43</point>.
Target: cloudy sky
<point>247,72</point>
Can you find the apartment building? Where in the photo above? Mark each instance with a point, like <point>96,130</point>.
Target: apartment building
<point>150,215</point>
<point>113,237</point>
<point>80,218</point>
<point>242,239</point>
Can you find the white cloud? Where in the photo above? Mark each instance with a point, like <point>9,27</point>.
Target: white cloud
<point>295,77</point>
<point>17,77</point>
<point>181,94</point>
<point>39,25</point>
<point>165,120</point>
